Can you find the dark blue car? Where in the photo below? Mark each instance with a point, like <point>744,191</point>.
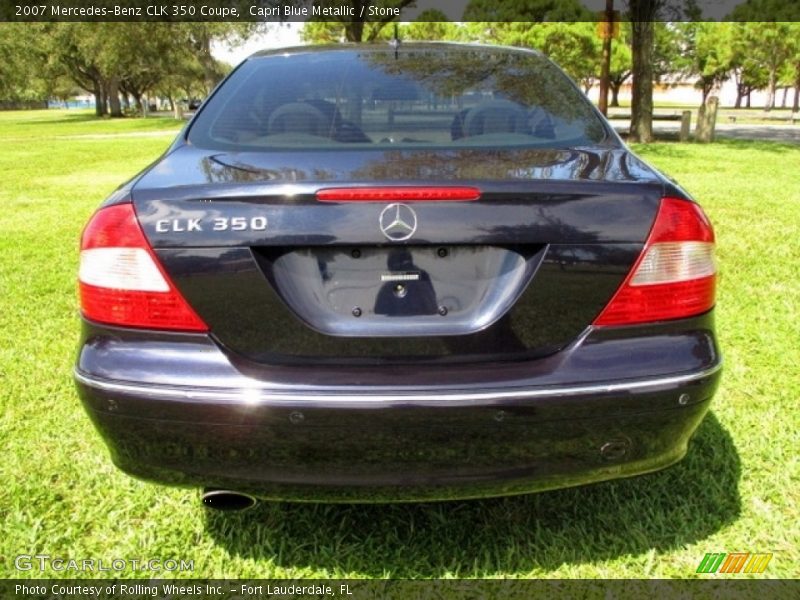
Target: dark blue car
<point>376,274</point>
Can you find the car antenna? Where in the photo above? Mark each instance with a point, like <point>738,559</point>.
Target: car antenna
<point>395,42</point>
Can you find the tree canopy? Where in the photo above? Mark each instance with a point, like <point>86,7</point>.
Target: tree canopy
<point>113,60</point>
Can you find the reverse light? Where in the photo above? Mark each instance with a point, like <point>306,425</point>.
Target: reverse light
<point>121,281</point>
<point>674,276</point>
<point>399,194</point>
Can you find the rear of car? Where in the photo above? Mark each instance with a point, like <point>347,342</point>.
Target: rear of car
<point>368,274</point>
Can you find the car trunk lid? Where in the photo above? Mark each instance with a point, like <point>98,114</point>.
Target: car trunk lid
<point>282,277</point>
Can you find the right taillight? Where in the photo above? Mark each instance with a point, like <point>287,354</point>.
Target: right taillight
<point>674,277</point>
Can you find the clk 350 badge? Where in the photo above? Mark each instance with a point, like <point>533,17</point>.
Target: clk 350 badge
<point>216,224</point>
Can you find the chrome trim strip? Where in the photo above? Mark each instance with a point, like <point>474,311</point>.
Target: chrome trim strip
<point>258,395</point>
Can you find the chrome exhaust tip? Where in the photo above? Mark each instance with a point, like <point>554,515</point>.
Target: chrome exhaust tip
<point>227,500</point>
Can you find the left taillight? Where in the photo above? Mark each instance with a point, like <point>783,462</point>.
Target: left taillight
<point>121,281</point>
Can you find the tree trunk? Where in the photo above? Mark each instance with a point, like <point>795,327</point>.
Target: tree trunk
<point>354,31</point>
<point>615,93</point>
<point>705,91</point>
<point>747,104</point>
<point>740,94</point>
<point>113,97</point>
<point>100,106</point>
<point>98,102</point>
<point>176,108</point>
<point>785,95</point>
<point>796,103</point>
<point>642,91</point>
<point>771,91</point>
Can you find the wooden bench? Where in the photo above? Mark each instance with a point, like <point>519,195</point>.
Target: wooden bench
<point>685,117</point>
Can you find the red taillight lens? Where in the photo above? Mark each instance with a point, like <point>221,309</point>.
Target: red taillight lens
<point>674,277</point>
<point>399,194</point>
<point>121,282</point>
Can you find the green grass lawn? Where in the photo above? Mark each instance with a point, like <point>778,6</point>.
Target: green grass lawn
<point>737,490</point>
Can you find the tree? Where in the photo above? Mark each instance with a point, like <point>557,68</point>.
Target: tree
<point>574,46</point>
<point>795,28</point>
<point>665,60</point>
<point>770,37</point>
<point>747,71</point>
<point>111,60</point>
<point>621,65</point>
<point>770,45</point>
<point>666,51</point>
<point>22,64</point>
<point>108,58</point>
<point>748,76</point>
<point>184,80</point>
<point>709,54</point>
<point>430,25</point>
<point>133,59</point>
<point>198,38</point>
<point>74,49</point>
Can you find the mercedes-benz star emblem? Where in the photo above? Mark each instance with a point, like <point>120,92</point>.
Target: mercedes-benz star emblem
<point>398,222</point>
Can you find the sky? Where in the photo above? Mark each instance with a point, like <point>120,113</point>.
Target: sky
<point>277,36</point>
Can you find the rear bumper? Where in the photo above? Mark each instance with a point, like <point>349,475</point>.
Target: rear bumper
<point>312,443</point>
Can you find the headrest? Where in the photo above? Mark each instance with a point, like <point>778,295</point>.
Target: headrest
<point>496,116</point>
<point>298,117</point>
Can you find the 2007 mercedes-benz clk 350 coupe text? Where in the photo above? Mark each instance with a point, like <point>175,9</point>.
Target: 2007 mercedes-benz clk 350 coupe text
<point>385,274</point>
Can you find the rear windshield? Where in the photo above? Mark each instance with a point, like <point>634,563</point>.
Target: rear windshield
<point>426,98</point>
